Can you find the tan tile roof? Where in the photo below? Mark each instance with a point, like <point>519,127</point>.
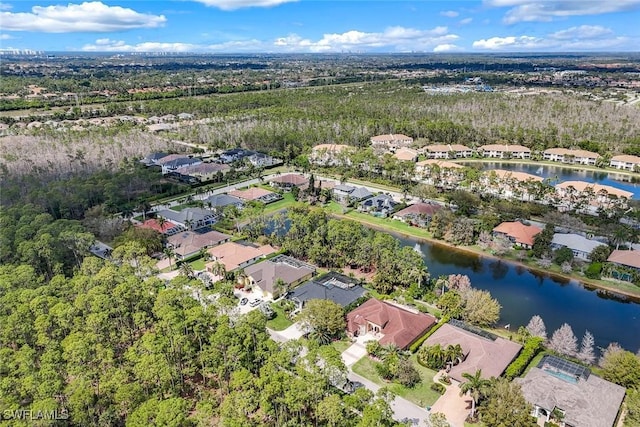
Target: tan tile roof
<point>446,147</point>
<point>406,154</point>
<point>232,254</point>
<point>491,356</point>
<point>520,176</point>
<point>629,258</point>
<point>400,327</point>
<point>521,233</point>
<point>505,148</point>
<point>292,178</point>
<point>441,163</point>
<point>189,242</point>
<point>626,158</point>
<point>391,137</point>
<point>419,209</point>
<point>266,273</point>
<point>569,152</point>
<point>596,188</point>
<point>331,147</point>
<point>252,193</point>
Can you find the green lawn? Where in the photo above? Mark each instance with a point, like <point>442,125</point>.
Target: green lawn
<point>341,345</point>
<point>287,200</point>
<point>197,264</point>
<point>421,394</point>
<point>280,322</point>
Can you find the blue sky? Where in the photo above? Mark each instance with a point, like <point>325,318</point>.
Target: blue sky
<point>262,26</point>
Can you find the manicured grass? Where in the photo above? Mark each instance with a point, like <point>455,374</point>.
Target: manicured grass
<point>198,264</point>
<point>280,322</point>
<point>341,345</point>
<point>421,394</point>
<point>287,200</point>
<point>386,223</point>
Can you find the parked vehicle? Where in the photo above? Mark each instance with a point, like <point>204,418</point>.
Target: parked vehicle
<point>244,301</point>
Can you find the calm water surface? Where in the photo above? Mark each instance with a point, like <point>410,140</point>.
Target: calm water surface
<point>559,174</point>
<point>523,294</point>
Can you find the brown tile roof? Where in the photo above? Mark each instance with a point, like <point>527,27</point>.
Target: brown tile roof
<point>399,326</point>
<point>406,154</point>
<point>520,176</point>
<point>596,188</point>
<point>576,153</point>
<point>419,209</point>
<point>153,224</point>
<point>252,193</point>
<point>629,258</point>
<point>521,233</point>
<point>266,273</point>
<point>188,242</point>
<point>292,179</point>
<point>626,158</point>
<point>232,254</point>
<point>492,357</point>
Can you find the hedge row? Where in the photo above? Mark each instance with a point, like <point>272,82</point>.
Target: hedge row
<point>438,388</point>
<point>531,348</point>
<point>416,345</point>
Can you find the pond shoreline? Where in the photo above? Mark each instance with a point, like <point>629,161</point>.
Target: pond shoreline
<point>586,283</point>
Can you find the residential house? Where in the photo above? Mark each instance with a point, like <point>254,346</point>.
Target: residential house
<point>189,243</point>
<point>161,226</point>
<point>331,286</point>
<point>591,196</point>
<point>235,255</point>
<point>500,151</point>
<point>153,158</point>
<point>189,218</point>
<point>520,234</point>
<point>582,398</point>
<point>329,154</point>
<point>391,142</point>
<point>380,205</point>
<point>481,350</point>
<point>626,162</point>
<point>391,323</point>
<point>185,116</point>
<point>347,194</point>
<point>218,202</point>
<point>235,154</point>
<point>256,193</point>
<point>625,265</point>
<point>564,155</point>
<point>418,214</point>
<point>203,171</point>
<point>406,154</point>
<point>509,184</point>
<point>174,161</point>
<point>261,160</point>
<point>265,275</point>
<point>579,245</point>
<point>288,181</point>
<point>447,151</point>
<point>440,173</point>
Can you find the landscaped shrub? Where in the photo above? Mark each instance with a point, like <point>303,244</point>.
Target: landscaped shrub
<point>416,345</point>
<point>407,375</point>
<point>594,270</point>
<point>439,388</point>
<point>531,347</point>
<point>374,348</point>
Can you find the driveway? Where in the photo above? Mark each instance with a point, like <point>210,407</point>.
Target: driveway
<point>354,353</point>
<point>291,333</point>
<point>452,405</point>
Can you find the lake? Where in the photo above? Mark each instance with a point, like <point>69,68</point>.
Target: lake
<point>558,174</point>
<point>523,294</point>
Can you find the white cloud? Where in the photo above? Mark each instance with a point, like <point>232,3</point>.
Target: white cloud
<point>447,47</point>
<point>108,45</point>
<point>240,4</point>
<point>533,11</point>
<point>585,37</point>
<point>5,6</point>
<point>449,13</point>
<point>465,21</point>
<point>5,37</point>
<point>84,17</point>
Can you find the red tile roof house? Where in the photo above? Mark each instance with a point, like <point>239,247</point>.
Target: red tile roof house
<point>287,182</point>
<point>167,227</point>
<point>417,214</point>
<point>394,324</point>
<point>520,234</point>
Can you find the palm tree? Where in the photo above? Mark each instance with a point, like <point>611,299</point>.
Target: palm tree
<point>218,269</point>
<point>170,253</point>
<point>475,386</point>
<point>187,270</point>
<point>453,353</point>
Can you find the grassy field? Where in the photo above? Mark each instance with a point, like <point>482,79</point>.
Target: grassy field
<point>280,322</point>
<point>341,345</point>
<point>421,394</point>
<point>287,200</point>
<point>198,264</point>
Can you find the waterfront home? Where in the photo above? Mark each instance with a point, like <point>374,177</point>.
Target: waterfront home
<point>510,184</point>
<point>447,151</point>
<point>257,194</point>
<point>189,218</point>
<point>203,171</point>
<point>162,226</point>
<point>626,162</point>
<point>440,173</point>
<point>570,393</point>
<point>266,274</point>
<point>380,205</point>
<point>347,194</point>
<point>520,234</point>
<point>624,265</point>
<point>288,181</point>
<point>391,142</point>
<point>500,151</point>
<point>390,323</point>
<point>579,245</point>
<point>590,196</point>
<point>220,201</point>
<point>565,155</point>
<point>329,154</point>
<point>331,286</point>
<point>481,350</point>
<point>418,214</point>
<point>235,255</point>
<point>406,154</point>
<point>189,243</point>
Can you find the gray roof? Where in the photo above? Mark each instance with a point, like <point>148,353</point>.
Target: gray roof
<point>380,201</point>
<point>192,214</point>
<point>222,200</point>
<point>575,241</point>
<point>332,286</point>
<point>593,402</point>
<point>183,161</point>
<point>344,188</point>
<point>290,270</point>
<point>360,193</point>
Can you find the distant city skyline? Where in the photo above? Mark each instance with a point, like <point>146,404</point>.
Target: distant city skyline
<point>289,26</point>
